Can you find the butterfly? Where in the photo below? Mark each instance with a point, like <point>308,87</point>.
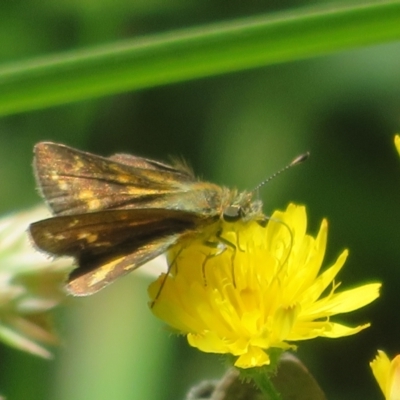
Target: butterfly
<point>114,214</point>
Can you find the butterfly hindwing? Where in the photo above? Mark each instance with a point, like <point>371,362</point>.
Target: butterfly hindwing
<point>111,243</point>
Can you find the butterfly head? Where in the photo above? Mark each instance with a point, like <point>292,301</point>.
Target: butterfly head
<point>243,207</point>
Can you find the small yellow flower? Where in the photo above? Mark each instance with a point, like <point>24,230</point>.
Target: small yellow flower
<point>397,143</point>
<point>250,288</point>
<point>387,374</point>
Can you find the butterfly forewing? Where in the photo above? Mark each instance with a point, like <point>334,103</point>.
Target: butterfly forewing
<point>75,182</point>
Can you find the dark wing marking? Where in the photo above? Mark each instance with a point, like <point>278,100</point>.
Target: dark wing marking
<point>75,182</point>
<point>111,243</point>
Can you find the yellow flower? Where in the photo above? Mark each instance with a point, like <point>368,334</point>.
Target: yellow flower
<point>250,288</point>
<point>397,143</point>
<point>387,374</point>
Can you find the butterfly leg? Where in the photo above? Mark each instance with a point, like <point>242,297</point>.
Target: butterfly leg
<point>229,244</point>
<point>216,245</point>
<point>222,244</point>
<point>164,280</point>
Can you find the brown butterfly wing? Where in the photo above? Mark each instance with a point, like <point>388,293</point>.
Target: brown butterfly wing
<point>111,243</point>
<point>76,182</point>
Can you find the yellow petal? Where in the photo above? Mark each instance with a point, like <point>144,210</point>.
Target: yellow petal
<point>394,378</point>
<point>346,301</point>
<point>380,368</point>
<point>255,357</point>
<point>397,143</point>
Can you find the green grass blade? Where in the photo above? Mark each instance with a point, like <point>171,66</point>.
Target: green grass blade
<point>194,53</point>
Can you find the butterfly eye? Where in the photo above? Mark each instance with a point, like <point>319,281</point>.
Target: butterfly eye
<point>232,213</point>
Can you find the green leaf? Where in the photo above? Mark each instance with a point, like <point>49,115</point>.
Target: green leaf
<point>194,53</point>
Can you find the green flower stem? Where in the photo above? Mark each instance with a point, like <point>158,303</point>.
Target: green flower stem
<point>194,53</point>
<point>262,380</point>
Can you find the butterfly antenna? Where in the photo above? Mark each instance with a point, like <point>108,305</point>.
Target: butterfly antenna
<point>299,159</point>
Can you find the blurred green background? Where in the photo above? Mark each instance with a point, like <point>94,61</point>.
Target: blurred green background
<point>235,130</point>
